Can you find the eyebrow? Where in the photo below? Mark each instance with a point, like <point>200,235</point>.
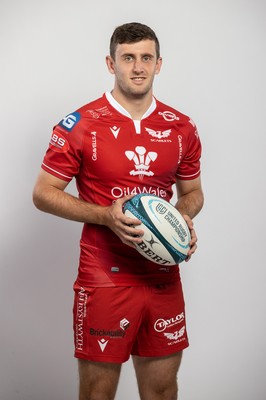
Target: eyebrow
<point>142,55</point>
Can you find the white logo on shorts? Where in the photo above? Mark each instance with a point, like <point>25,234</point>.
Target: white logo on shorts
<point>161,324</point>
<point>103,344</point>
<point>176,335</point>
<point>124,324</point>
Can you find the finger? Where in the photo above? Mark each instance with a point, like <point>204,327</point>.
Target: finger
<point>123,200</point>
<point>131,240</point>
<point>118,204</point>
<point>193,237</point>
<point>133,232</point>
<point>191,252</point>
<point>188,221</point>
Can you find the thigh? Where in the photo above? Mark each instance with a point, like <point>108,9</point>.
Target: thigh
<point>157,376</point>
<point>163,329</point>
<point>106,322</point>
<point>98,380</point>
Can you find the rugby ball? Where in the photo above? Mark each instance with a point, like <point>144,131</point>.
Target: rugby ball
<point>166,234</point>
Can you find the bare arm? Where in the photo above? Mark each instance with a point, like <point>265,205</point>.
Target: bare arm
<point>49,196</point>
<point>190,202</point>
<point>190,197</point>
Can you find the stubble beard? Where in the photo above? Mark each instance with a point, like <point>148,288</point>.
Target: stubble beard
<point>134,94</point>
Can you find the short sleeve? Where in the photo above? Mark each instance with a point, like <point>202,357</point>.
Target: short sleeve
<point>189,167</point>
<point>64,154</point>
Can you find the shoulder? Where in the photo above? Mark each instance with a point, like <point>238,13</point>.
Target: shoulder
<point>171,114</point>
<point>95,109</point>
<point>85,114</point>
<point>176,119</point>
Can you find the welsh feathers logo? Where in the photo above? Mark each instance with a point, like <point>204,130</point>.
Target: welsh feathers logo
<point>142,160</point>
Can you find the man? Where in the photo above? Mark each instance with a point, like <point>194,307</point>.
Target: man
<point>124,304</point>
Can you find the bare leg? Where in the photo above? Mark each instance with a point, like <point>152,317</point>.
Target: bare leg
<point>157,376</point>
<point>98,381</point>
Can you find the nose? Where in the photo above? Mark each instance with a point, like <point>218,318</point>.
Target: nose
<point>138,67</point>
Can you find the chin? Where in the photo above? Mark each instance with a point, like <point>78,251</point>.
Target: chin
<point>139,93</point>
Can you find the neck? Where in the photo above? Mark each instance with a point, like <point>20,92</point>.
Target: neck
<point>135,106</point>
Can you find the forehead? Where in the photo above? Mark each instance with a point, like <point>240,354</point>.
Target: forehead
<point>143,47</point>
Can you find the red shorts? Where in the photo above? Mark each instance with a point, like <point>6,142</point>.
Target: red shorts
<point>111,323</point>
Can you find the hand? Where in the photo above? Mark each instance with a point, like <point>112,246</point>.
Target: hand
<point>123,226</point>
<point>194,239</point>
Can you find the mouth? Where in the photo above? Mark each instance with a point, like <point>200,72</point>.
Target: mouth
<point>138,79</point>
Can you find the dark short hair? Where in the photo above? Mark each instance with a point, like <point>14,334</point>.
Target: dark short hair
<point>132,33</point>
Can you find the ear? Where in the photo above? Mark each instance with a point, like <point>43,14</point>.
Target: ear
<point>110,64</point>
<point>158,65</point>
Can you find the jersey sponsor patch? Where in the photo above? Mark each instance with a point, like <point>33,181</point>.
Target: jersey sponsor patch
<point>169,116</point>
<point>70,121</point>
<point>58,142</point>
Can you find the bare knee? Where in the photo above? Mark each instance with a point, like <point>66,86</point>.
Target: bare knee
<point>157,377</point>
<point>98,381</point>
<point>165,389</point>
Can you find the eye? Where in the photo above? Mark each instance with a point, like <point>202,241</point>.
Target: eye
<point>147,58</point>
<point>128,58</point>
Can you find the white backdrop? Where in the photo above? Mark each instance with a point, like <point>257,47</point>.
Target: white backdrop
<point>52,62</point>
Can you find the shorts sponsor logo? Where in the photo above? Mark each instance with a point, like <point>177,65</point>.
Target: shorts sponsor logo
<point>161,324</point>
<point>107,332</point>
<point>124,324</point>
<point>70,121</point>
<point>176,337</point>
<point>112,334</point>
<point>81,314</point>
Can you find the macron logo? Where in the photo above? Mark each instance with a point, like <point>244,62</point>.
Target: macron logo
<point>115,131</point>
<point>103,344</point>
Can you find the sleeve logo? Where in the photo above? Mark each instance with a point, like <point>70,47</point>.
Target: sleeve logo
<point>58,143</point>
<point>70,121</point>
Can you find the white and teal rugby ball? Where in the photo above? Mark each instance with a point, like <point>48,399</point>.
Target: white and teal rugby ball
<point>166,234</point>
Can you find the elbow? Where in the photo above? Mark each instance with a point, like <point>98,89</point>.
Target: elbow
<point>201,199</point>
<point>37,199</point>
<point>199,202</point>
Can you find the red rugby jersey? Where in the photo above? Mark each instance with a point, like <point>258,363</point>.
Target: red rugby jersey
<point>110,156</point>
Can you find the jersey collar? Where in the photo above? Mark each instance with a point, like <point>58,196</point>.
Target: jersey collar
<point>123,111</point>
